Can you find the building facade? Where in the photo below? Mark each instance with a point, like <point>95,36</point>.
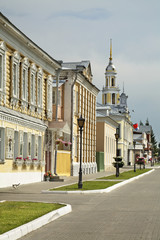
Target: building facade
<point>105,142</point>
<point>80,99</point>
<point>26,74</point>
<point>115,105</point>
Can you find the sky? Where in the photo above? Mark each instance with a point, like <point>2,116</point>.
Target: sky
<point>71,30</point>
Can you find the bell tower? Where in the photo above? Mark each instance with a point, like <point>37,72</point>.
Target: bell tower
<point>110,92</point>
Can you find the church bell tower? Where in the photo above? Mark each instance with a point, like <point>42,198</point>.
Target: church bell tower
<point>110,92</point>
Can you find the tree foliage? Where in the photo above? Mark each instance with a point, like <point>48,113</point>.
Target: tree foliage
<point>141,123</point>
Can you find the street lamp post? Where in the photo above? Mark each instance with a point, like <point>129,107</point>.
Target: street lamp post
<point>117,166</point>
<point>81,125</point>
<point>134,144</point>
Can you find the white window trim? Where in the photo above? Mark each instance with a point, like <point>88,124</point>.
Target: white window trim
<point>36,147</point>
<point>39,77</point>
<point>32,72</point>
<point>49,93</point>
<point>9,137</point>
<point>2,145</point>
<point>24,81</point>
<point>3,74</point>
<point>15,60</point>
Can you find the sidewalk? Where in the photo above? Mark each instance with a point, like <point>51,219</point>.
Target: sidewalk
<point>33,193</point>
<point>39,186</point>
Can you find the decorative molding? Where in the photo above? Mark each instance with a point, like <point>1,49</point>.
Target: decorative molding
<point>21,119</point>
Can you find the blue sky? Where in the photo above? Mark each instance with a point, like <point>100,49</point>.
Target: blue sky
<point>71,30</point>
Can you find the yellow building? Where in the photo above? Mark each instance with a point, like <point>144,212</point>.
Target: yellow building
<point>79,98</point>
<point>26,74</point>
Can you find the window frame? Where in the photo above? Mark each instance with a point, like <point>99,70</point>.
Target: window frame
<point>3,71</point>
<point>32,72</point>
<point>39,88</point>
<point>49,93</point>
<point>24,79</point>
<point>9,143</point>
<point>15,61</point>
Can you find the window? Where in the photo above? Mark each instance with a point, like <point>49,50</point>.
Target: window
<point>113,98</point>
<point>29,144</point>
<point>113,82</point>
<point>59,97</point>
<point>105,98</point>
<point>15,78</point>
<point>39,88</point>
<point>10,142</point>
<point>54,96</point>
<point>107,82</point>
<point>2,142</point>
<point>36,146</point>
<point>2,69</point>
<point>24,79</point>
<point>1,72</point>
<point>32,88</point>
<point>32,79</point>
<point>21,143</point>
<point>39,92</point>
<point>15,74</point>
<point>32,146</point>
<point>24,84</point>
<point>49,93</point>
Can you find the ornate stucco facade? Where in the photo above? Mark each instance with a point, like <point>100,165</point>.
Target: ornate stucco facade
<point>26,74</point>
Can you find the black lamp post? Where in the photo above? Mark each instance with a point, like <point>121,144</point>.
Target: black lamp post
<point>117,166</point>
<point>81,125</point>
<point>134,144</point>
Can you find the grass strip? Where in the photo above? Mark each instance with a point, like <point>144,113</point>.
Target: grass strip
<point>14,214</point>
<point>88,185</point>
<point>127,175</point>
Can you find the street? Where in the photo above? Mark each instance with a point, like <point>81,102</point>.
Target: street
<point>130,212</point>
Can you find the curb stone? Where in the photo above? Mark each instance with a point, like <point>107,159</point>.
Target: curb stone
<point>35,224</point>
<point>109,189</point>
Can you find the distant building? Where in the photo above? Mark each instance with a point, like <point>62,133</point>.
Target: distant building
<point>115,105</point>
<point>105,141</point>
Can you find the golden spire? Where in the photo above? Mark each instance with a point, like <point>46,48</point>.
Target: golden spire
<point>110,50</point>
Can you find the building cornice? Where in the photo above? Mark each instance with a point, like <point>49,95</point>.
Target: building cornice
<point>14,117</point>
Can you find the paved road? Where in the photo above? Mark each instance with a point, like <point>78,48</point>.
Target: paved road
<point>131,212</point>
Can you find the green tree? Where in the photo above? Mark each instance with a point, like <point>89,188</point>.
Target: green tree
<point>141,123</point>
<point>154,143</point>
<point>147,122</point>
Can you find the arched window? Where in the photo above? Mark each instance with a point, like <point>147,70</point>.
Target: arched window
<point>105,98</point>
<point>106,82</point>
<point>113,98</point>
<point>113,82</point>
